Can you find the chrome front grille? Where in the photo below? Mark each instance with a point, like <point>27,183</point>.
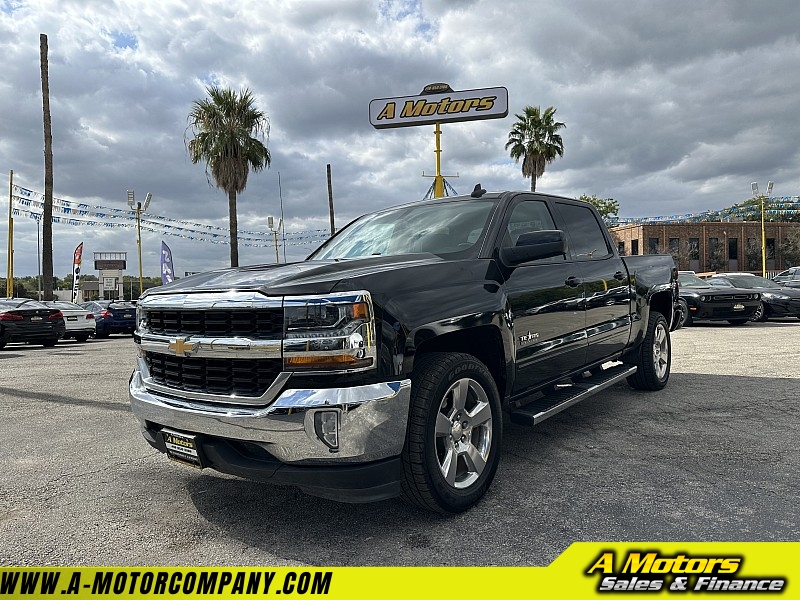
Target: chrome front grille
<point>258,323</point>
<point>218,376</point>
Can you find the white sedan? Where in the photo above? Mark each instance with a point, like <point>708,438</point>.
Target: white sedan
<point>79,321</point>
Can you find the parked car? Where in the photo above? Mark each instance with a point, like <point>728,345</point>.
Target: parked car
<point>790,277</point>
<point>79,321</point>
<point>700,300</point>
<point>776,300</point>
<point>112,316</point>
<point>26,320</point>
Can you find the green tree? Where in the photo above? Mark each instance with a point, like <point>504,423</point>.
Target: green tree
<point>228,129</point>
<point>607,207</point>
<point>534,138</point>
<point>790,249</point>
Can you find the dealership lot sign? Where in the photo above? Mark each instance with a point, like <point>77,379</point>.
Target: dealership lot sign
<point>439,104</point>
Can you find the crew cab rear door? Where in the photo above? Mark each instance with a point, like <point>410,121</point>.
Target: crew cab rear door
<point>545,298</point>
<point>606,281</point>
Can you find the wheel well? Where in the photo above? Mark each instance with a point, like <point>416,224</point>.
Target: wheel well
<point>484,343</point>
<point>662,302</point>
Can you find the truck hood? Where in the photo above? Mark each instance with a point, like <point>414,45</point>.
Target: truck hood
<point>307,277</point>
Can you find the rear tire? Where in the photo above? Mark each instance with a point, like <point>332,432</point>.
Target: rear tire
<point>654,356</point>
<point>454,433</point>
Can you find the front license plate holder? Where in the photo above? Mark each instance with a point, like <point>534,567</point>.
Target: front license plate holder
<point>182,448</point>
<point>738,307</point>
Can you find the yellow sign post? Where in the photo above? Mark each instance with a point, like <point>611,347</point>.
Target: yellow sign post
<point>438,103</point>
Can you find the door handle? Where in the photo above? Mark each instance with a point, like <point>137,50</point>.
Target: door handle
<point>573,281</point>
<point>619,275</point>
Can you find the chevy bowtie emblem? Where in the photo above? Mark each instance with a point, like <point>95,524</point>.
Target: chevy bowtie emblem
<point>181,348</point>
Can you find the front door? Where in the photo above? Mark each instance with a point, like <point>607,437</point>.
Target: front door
<point>545,298</point>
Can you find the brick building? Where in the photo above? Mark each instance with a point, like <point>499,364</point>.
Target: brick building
<point>708,245</point>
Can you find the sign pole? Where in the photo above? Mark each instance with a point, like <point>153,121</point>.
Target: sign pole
<point>438,181</point>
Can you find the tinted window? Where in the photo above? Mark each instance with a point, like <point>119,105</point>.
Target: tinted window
<point>528,216</point>
<point>585,233</point>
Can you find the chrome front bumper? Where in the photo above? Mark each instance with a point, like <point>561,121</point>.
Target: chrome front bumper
<point>372,420</point>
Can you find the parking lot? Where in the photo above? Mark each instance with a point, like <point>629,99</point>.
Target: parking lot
<point>713,457</point>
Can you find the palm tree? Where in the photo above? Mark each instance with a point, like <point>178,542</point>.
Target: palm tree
<point>224,126</point>
<point>534,138</point>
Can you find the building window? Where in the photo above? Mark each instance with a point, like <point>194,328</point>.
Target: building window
<point>733,249</point>
<point>694,248</point>
<point>621,248</point>
<point>652,246</point>
<point>716,259</point>
<point>634,247</point>
<point>771,252</point>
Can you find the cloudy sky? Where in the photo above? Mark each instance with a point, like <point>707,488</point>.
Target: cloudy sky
<point>671,107</point>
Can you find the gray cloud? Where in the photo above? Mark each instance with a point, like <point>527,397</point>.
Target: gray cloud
<point>671,107</point>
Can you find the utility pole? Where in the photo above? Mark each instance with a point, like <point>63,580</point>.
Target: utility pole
<point>10,272</point>
<point>330,199</point>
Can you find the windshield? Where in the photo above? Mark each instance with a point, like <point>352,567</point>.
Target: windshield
<point>440,227</point>
<point>751,282</point>
<point>687,280</point>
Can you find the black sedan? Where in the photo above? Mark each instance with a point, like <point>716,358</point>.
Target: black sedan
<point>24,320</point>
<point>776,300</point>
<point>700,300</point>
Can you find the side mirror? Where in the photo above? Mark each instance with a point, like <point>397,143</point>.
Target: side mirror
<point>534,245</point>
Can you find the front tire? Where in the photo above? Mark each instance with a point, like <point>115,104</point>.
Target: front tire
<point>761,313</point>
<point>654,356</point>
<point>687,315</point>
<point>454,433</point>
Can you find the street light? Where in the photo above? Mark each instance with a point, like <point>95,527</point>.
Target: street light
<point>139,208</point>
<point>275,230</point>
<point>754,188</point>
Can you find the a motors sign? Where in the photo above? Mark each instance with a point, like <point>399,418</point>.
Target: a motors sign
<point>446,107</point>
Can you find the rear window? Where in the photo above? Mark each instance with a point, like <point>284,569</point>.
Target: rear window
<point>64,306</point>
<point>121,305</point>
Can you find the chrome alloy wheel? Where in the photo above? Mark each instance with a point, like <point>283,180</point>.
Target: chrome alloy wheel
<point>660,351</point>
<point>463,433</point>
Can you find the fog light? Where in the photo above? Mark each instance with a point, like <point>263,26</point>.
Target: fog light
<point>326,426</point>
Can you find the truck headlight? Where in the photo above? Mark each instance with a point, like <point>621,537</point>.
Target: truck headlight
<point>335,332</point>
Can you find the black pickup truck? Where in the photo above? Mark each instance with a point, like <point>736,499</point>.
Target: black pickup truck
<point>381,365</point>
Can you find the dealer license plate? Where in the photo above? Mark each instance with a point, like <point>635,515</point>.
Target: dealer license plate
<point>182,447</point>
<point>738,307</point>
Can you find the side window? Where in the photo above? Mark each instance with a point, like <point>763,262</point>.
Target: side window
<point>585,233</point>
<point>527,216</point>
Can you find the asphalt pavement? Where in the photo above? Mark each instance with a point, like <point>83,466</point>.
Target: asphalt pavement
<point>713,457</point>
